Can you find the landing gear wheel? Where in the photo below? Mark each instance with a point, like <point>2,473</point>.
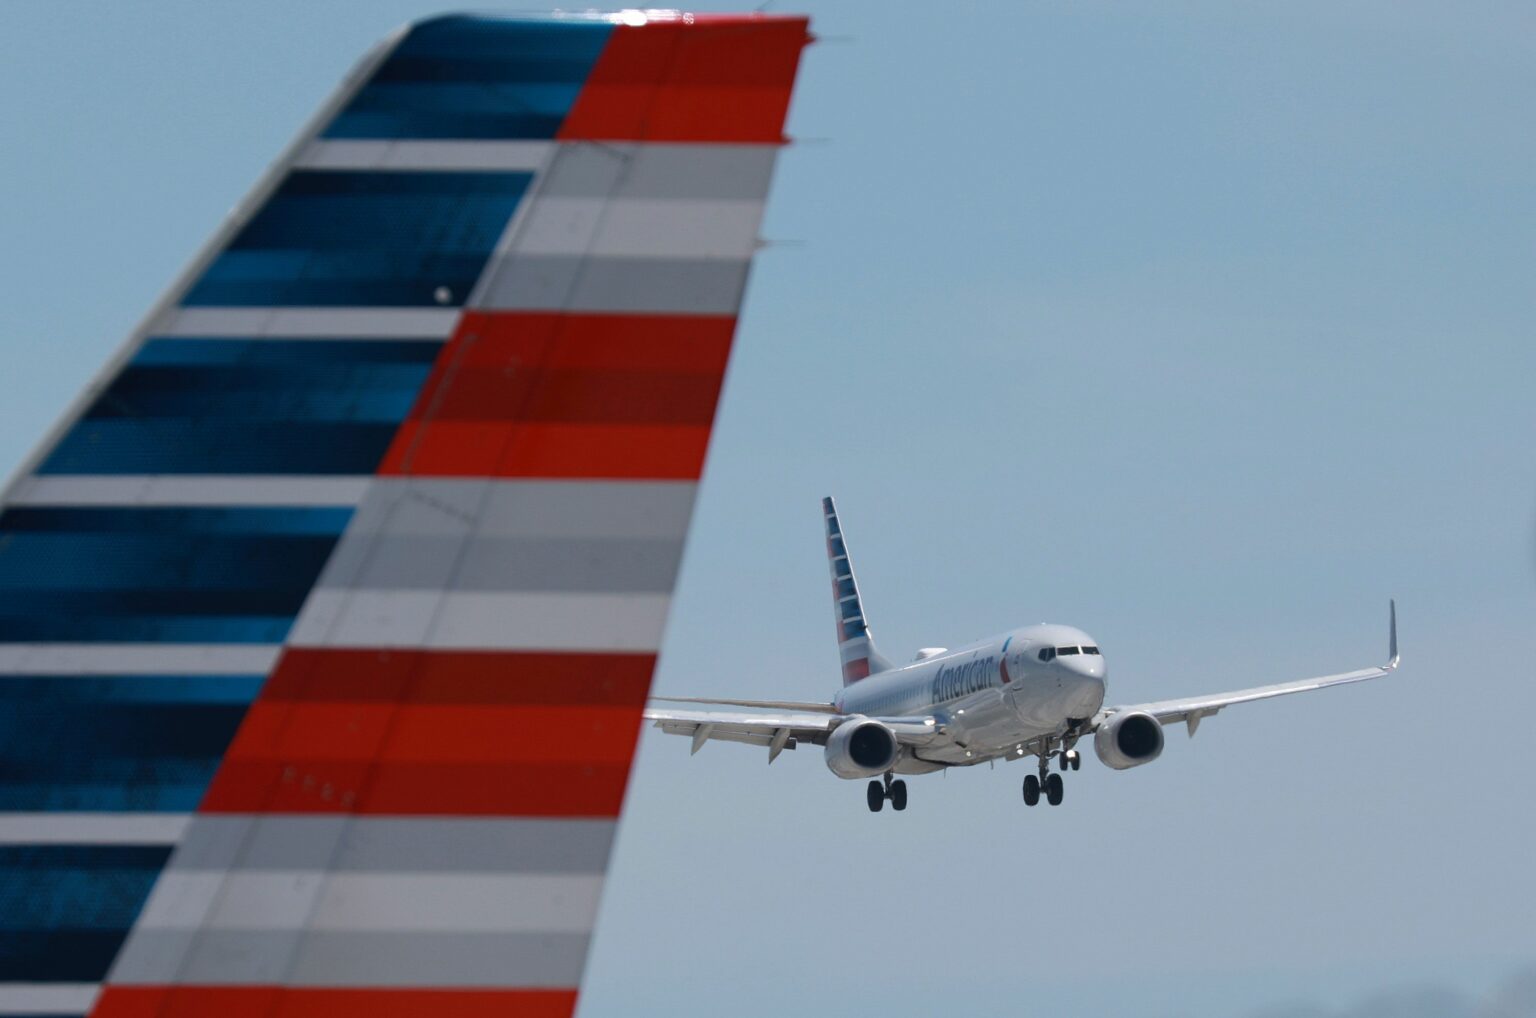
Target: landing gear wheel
<point>1064,760</point>
<point>898,795</point>
<point>1053,789</point>
<point>1077,760</point>
<point>1031,790</point>
<point>875,796</point>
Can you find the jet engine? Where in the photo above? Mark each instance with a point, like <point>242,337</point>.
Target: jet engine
<point>861,748</point>
<point>1129,740</point>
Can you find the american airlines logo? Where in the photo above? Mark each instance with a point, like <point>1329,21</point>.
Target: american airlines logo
<point>958,680</point>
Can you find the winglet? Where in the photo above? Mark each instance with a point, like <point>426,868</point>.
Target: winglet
<point>1392,633</point>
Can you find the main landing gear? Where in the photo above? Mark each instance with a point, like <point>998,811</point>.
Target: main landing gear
<point>1047,782</point>
<point>877,793</point>
<point>1051,785</point>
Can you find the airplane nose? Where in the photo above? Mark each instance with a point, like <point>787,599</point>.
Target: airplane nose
<point>1088,666</point>
<point>1088,671</point>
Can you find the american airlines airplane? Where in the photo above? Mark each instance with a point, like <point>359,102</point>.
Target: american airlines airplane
<point>1033,691</point>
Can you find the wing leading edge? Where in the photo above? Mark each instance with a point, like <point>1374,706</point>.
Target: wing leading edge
<point>1192,709</point>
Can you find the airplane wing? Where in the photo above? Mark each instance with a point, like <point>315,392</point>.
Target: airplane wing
<point>328,610</point>
<point>1192,709</point>
<point>778,730</point>
<point>812,706</point>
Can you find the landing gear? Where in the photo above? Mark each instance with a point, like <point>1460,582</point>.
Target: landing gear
<point>878,792</point>
<point>1048,782</point>
<point>1031,790</point>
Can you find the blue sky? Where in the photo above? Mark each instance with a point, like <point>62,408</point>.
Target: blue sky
<point>1205,327</point>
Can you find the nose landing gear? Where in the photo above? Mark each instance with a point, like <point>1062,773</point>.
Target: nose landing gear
<point>878,792</point>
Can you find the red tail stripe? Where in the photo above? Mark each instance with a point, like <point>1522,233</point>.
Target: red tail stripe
<point>436,733</point>
<point>525,339</point>
<point>283,1002</point>
<point>460,677</point>
<point>422,789</point>
<point>550,395</point>
<point>398,734</point>
<point>725,80</point>
<point>591,451</point>
<point>597,368</point>
<point>568,396</point>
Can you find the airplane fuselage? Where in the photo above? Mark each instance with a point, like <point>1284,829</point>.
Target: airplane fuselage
<point>993,696</point>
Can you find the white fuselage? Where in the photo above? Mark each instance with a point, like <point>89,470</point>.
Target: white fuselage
<point>994,696</point>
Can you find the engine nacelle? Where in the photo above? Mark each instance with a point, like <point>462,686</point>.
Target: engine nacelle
<point>861,748</point>
<point>1129,740</point>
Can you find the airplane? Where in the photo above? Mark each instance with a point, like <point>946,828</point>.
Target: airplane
<point>1035,690</point>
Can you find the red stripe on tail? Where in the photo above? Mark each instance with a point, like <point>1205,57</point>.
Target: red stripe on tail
<point>568,396</point>
<point>437,733</point>
<point>725,78</point>
<point>282,1002</point>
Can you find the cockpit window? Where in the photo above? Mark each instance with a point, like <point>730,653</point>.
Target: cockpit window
<point>1090,650</point>
<point>1064,651</point>
<point>1047,653</point>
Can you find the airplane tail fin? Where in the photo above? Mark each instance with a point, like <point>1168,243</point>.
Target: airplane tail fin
<point>856,645</point>
<point>409,451</point>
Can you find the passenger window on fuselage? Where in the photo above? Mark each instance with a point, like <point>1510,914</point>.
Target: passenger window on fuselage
<point>1047,653</point>
<point>1064,651</point>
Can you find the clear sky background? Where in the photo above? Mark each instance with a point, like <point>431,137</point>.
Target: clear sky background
<point>1203,326</point>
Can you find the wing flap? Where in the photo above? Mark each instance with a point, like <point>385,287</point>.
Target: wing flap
<point>799,721</point>
<point>776,731</point>
<point>795,705</point>
<point>779,730</point>
<point>750,736</point>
